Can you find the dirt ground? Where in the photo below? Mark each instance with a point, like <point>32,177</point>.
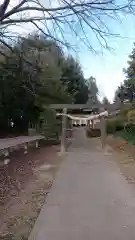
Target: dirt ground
<point>24,185</point>
<point>125,157</point>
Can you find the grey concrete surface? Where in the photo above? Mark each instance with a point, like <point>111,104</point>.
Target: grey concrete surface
<point>89,200</point>
<point>11,142</point>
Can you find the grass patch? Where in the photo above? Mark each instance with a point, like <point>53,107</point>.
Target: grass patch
<point>126,135</point>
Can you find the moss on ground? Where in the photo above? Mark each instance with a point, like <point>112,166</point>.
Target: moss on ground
<point>129,137</point>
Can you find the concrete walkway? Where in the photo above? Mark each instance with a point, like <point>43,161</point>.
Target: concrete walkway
<point>89,200</point>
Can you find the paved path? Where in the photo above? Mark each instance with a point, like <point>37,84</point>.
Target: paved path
<point>89,200</point>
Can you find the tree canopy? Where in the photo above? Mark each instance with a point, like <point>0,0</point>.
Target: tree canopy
<point>26,89</point>
<point>105,101</point>
<point>126,90</point>
<point>93,90</point>
<point>72,76</point>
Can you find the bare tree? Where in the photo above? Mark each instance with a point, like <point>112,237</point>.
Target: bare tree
<point>63,17</point>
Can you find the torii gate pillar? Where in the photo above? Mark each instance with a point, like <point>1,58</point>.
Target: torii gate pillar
<point>103,130</point>
<point>63,137</point>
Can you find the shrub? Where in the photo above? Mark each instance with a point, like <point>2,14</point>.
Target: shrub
<point>50,127</point>
<point>123,115</point>
<point>131,116</point>
<point>114,125</point>
<point>130,128</point>
<point>95,132</point>
<point>110,126</point>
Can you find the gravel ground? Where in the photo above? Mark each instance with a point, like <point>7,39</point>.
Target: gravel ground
<point>24,184</point>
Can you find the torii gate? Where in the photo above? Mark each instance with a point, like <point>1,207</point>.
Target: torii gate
<point>64,115</point>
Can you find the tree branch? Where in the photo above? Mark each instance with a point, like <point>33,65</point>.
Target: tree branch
<point>70,14</point>
<point>27,20</point>
<point>3,8</point>
<point>92,5</point>
<point>13,10</point>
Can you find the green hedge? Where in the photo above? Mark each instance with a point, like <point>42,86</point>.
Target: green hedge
<point>127,135</point>
<point>130,128</point>
<point>114,125</point>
